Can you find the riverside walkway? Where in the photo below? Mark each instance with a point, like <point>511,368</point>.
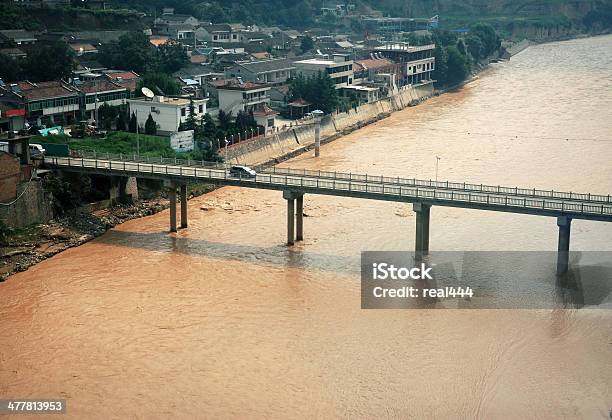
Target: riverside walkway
<point>565,206</point>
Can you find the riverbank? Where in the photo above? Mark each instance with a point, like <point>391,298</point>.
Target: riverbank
<point>26,247</point>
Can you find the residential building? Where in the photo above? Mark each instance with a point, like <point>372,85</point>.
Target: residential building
<point>47,102</point>
<point>176,19</point>
<point>15,53</point>
<point>218,33</point>
<point>339,68</point>
<point>127,79</point>
<point>265,117</point>
<point>168,113</point>
<point>83,48</point>
<point>236,96</point>
<point>273,71</point>
<point>417,63</point>
<point>12,110</point>
<point>95,93</point>
<point>18,36</point>
<point>366,70</point>
<point>364,94</point>
<point>391,25</point>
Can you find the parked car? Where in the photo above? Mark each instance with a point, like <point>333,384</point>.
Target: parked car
<point>242,171</point>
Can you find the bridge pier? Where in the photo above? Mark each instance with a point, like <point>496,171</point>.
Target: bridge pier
<point>172,198</point>
<point>295,221</point>
<point>299,218</point>
<point>565,224</point>
<point>422,228</point>
<point>183,206</point>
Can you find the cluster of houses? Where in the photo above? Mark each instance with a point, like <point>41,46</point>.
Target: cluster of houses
<point>231,67</point>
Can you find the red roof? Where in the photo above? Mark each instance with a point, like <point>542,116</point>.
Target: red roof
<point>265,111</point>
<point>244,86</point>
<point>373,64</point>
<point>124,75</point>
<point>46,90</point>
<point>299,102</point>
<point>100,85</point>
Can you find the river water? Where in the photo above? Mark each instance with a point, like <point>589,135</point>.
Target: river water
<point>223,321</point>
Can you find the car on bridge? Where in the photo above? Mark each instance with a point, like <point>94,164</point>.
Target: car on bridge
<point>242,171</point>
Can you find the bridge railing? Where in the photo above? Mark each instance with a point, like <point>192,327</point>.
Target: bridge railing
<point>132,157</point>
<point>464,186</point>
<point>199,172</point>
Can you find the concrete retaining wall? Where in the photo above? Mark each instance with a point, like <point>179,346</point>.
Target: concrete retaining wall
<point>296,139</point>
<point>34,206</point>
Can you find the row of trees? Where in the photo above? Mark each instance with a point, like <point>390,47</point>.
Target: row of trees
<point>134,51</point>
<point>53,62</point>
<point>455,56</point>
<point>319,90</point>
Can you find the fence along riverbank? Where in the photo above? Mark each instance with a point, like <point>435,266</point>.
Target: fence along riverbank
<point>296,140</point>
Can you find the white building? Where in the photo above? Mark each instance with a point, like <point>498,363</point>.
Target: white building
<point>168,113</point>
<point>339,68</point>
<point>246,96</point>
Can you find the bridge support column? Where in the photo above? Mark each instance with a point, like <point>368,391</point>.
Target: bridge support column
<point>565,224</point>
<point>172,197</point>
<point>292,217</point>
<point>422,228</point>
<point>183,206</point>
<point>299,218</point>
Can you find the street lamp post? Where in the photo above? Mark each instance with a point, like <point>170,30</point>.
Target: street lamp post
<point>437,160</point>
<point>317,114</point>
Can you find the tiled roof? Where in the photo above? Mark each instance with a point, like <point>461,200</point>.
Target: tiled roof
<point>372,64</point>
<point>124,75</point>
<point>263,66</point>
<point>46,90</point>
<point>99,85</point>
<point>265,111</point>
<point>230,85</point>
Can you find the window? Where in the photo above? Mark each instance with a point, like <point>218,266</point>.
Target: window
<point>183,112</point>
<point>200,109</point>
<point>271,122</point>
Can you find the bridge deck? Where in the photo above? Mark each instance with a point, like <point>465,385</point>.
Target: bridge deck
<point>591,207</point>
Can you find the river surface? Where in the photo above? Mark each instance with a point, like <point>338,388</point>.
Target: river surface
<point>223,321</point>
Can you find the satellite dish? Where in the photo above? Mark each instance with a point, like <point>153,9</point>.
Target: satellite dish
<point>147,92</point>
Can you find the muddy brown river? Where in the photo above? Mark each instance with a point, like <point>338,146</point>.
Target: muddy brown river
<point>222,320</point>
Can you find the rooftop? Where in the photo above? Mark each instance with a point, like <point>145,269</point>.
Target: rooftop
<point>164,100</point>
<point>17,34</point>
<point>100,85</point>
<point>45,90</point>
<point>372,64</point>
<point>405,47</point>
<point>236,85</point>
<point>263,66</point>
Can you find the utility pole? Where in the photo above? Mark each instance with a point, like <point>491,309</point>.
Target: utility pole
<point>137,134</point>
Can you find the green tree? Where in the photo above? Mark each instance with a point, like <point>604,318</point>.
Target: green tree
<point>10,69</point>
<point>171,57</point>
<point>225,119</point>
<point>489,38</point>
<point>457,66</point>
<point>160,83</point>
<point>474,46</point>
<point>107,115</point>
<point>307,44</point>
<point>440,73</point>
<point>121,123</point>
<point>320,90</point>
<point>150,126</point>
<point>50,63</point>
<point>131,51</point>
<point>133,126</point>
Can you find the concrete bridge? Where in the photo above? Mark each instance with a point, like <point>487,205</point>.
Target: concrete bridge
<point>294,184</point>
